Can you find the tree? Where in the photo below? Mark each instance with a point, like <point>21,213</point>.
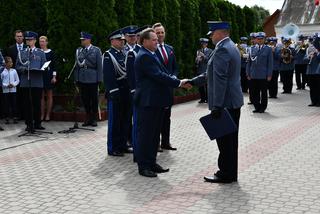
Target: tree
<point>261,15</point>
<point>67,19</point>
<point>208,11</point>
<point>160,14</point>
<point>143,14</point>
<point>190,28</point>
<point>125,11</point>
<point>24,15</point>
<point>250,19</point>
<point>241,21</point>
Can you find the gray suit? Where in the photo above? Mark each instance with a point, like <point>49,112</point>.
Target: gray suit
<point>224,91</point>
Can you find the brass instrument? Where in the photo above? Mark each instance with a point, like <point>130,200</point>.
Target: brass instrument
<point>243,51</point>
<point>200,56</point>
<point>286,53</point>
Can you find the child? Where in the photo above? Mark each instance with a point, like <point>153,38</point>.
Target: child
<point>10,80</point>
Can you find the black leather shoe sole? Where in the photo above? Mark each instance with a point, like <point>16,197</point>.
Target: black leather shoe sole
<point>148,173</point>
<point>215,179</point>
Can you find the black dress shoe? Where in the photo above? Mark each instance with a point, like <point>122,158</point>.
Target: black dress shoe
<point>1,129</point>
<point>86,123</point>
<point>160,150</point>
<point>116,154</point>
<point>29,129</point>
<point>202,101</point>
<point>168,147</point>
<point>216,179</point>
<point>250,103</point>
<point>312,104</point>
<point>261,111</point>
<point>256,111</point>
<point>147,173</point>
<point>158,169</point>
<point>273,97</point>
<point>94,123</point>
<point>39,127</point>
<point>128,150</point>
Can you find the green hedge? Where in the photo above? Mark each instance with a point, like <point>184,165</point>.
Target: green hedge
<point>185,22</point>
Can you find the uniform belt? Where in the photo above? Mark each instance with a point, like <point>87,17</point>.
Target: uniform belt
<point>88,67</point>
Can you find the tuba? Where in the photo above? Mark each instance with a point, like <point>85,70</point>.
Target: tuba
<point>243,51</point>
<point>286,53</point>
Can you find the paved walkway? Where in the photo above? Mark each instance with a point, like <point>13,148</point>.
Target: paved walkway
<point>279,165</point>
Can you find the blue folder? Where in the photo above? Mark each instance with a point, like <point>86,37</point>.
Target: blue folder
<point>216,128</point>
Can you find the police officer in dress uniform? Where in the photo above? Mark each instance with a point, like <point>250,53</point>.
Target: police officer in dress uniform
<point>166,55</point>
<point>131,34</point>
<point>253,41</point>
<point>224,91</point>
<point>287,65</point>
<point>313,71</point>
<point>300,63</point>
<point>243,48</point>
<point>202,58</point>
<point>273,83</point>
<point>29,63</point>
<point>88,75</point>
<point>117,94</point>
<point>259,72</point>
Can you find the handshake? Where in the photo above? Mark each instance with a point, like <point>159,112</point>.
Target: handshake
<point>186,83</point>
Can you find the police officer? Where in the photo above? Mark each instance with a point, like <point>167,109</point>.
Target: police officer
<point>166,55</point>
<point>313,72</point>
<point>253,42</point>
<point>224,92</point>
<point>287,65</point>
<point>259,72</point>
<point>300,63</point>
<point>29,63</point>
<point>243,48</point>
<point>117,94</point>
<point>88,75</point>
<point>202,58</point>
<point>273,83</point>
<point>131,49</point>
<point>131,37</point>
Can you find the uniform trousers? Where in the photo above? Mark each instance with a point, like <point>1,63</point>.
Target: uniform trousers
<point>301,80</point>
<point>287,80</point>
<point>89,96</point>
<point>314,85</point>
<point>273,84</point>
<point>32,106</point>
<point>260,94</point>
<point>228,148</point>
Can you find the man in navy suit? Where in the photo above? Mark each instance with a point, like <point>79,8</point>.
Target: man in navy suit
<point>153,88</point>
<point>166,55</point>
<point>224,91</point>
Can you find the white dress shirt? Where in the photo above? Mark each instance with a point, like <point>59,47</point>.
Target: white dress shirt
<point>9,77</point>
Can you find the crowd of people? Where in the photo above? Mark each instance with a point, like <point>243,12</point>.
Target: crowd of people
<point>140,72</point>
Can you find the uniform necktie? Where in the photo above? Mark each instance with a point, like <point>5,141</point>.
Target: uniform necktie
<point>164,55</point>
<point>20,47</point>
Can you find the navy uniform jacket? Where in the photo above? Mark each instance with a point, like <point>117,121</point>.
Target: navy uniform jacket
<point>88,67</point>
<point>300,57</point>
<point>314,66</point>
<point>260,62</point>
<point>290,66</point>
<point>276,58</point>
<point>37,58</point>
<point>153,81</point>
<point>202,64</point>
<point>114,73</point>
<point>172,65</point>
<point>223,76</point>
<point>130,57</point>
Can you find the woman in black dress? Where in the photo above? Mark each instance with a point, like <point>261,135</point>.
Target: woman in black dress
<point>49,79</point>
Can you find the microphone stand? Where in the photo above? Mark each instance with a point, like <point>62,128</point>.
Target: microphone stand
<point>31,131</point>
<point>75,126</point>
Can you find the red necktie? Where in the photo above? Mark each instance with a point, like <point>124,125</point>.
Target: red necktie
<point>164,55</point>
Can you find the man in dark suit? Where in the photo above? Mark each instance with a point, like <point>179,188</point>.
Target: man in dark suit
<point>12,51</point>
<point>166,56</point>
<point>152,96</point>
<point>224,92</point>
